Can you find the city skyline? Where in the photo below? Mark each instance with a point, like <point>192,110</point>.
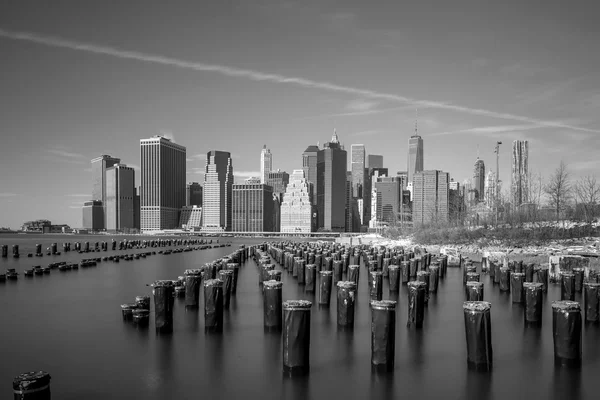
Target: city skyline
<point>535,81</point>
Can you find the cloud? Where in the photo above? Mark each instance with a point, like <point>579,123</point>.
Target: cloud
<point>64,153</point>
<point>357,113</point>
<point>491,130</point>
<point>168,135</point>
<point>361,105</point>
<point>273,78</point>
<point>5,195</point>
<point>246,174</point>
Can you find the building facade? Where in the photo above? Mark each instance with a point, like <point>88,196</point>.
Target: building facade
<point>252,209</point>
<point>99,167</point>
<point>415,155</point>
<point>119,209</point>
<point>520,171</point>
<point>218,186</point>
<point>93,215</point>
<point>331,186</point>
<point>309,166</point>
<point>389,199</point>
<point>193,194</point>
<point>374,161</point>
<point>162,183</point>
<point>479,180</point>
<point>278,181</point>
<point>266,164</point>
<point>430,197</point>
<point>489,191</point>
<point>357,161</point>
<point>296,208</point>
<point>190,217</point>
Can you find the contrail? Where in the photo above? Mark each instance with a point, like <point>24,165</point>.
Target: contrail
<point>274,78</point>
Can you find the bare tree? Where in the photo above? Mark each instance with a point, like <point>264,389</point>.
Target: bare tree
<point>587,192</point>
<point>558,189</point>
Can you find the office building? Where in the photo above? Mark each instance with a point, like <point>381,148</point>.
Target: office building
<point>353,215</point>
<point>276,215</point>
<point>162,182</point>
<point>296,209</point>
<point>218,186</point>
<point>252,207</point>
<point>99,167</point>
<point>479,180</point>
<point>367,205</point>
<point>119,209</point>
<point>374,161</point>
<point>456,202</point>
<point>266,164</point>
<point>520,171</point>
<point>193,194</point>
<point>357,169</point>
<point>430,197</point>
<point>389,199</point>
<point>136,209</point>
<point>415,154</point>
<point>331,186</point>
<point>309,166</point>
<point>93,215</point>
<point>278,181</point>
<point>190,217</point>
<point>489,196</point>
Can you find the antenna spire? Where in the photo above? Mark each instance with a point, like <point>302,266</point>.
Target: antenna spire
<point>416,121</point>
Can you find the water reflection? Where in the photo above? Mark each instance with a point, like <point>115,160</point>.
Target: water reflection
<point>532,340</point>
<point>192,319</point>
<point>415,340</point>
<point>566,383</point>
<point>214,353</point>
<point>382,385</point>
<point>479,384</point>
<point>296,388</point>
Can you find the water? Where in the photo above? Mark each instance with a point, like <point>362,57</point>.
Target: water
<point>70,325</point>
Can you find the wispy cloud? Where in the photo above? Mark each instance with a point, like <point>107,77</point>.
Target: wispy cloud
<point>4,195</point>
<point>491,130</point>
<point>64,153</point>
<point>361,105</point>
<point>358,113</point>
<point>246,174</point>
<point>273,78</point>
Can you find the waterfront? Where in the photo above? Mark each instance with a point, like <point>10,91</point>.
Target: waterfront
<point>70,325</point>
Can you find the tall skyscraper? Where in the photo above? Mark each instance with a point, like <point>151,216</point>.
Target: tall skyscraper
<point>520,171</point>
<point>430,197</point>
<point>479,179</point>
<point>358,169</point>
<point>99,166</point>
<point>331,186</point>
<point>252,208</point>
<point>367,198</point>
<point>296,208</point>
<point>218,186</point>
<point>162,183</point>
<point>278,181</point>
<point>93,215</point>
<point>120,198</point>
<point>309,166</point>
<point>193,194</point>
<point>353,215</point>
<point>389,199</point>
<point>266,164</point>
<point>374,161</point>
<point>415,154</point>
<point>490,189</point>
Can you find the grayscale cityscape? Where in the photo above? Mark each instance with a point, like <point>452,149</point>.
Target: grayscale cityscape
<point>299,200</point>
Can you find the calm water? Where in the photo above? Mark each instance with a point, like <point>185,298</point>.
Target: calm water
<point>70,325</point>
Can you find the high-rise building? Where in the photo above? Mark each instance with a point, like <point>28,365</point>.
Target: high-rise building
<point>358,169</point>
<point>456,203</point>
<point>415,154</point>
<point>136,209</point>
<point>119,209</point>
<point>331,186</point>
<point>276,215</point>
<point>218,186</point>
<point>190,217</point>
<point>490,189</point>
<point>353,215</point>
<point>266,164</point>
<point>479,179</point>
<point>296,209</point>
<point>368,201</point>
<point>520,171</point>
<point>389,199</point>
<point>430,197</point>
<point>374,161</point>
<point>278,181</point>
<point>93,215</point>
<point>162,182</point>
<point>193,194</point>
<point>309,166</point>
<point>252,208</point>
<point>99,166</point>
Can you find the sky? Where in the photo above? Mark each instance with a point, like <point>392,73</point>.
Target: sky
<point>79,79</point>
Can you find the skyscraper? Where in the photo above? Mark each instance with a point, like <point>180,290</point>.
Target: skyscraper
<point>92,215</point>
<point>490,189</point>
<point>358,169</point>
<point>331,186</point>
<point>520,171</point>
<point>367,198</point>
<point>479,179</point>
<point>218,185</point>
<point>415,154</point>
<point>389,198</point>
<point>296,208</point>
<point>430,197</point>
<point>99,166</point>
<point>120,198</point>
<point>309,166</point>
<point>374,161</point>
<point>278,181</point>
<point>266,164</point>
<point>193,194</point>
<point>252,207</point>
<point>162,183</point>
